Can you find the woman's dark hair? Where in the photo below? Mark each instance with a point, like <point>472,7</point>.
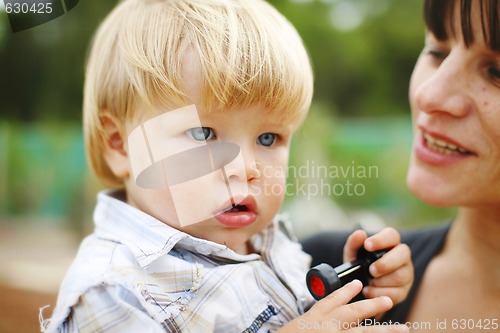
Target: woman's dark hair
<point>438,15</point>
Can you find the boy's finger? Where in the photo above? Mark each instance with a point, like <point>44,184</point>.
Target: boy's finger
<point>343,295</point>
<point>380,329</point>
<point>352,314</point>
<point>392,260</point>
<point>386,238</point>
<point>353,243</point>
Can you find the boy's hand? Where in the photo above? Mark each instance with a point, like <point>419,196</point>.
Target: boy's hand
<point>393,273</point>
<point>333,314</point>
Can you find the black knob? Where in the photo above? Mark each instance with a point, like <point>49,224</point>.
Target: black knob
<point>323,279</point>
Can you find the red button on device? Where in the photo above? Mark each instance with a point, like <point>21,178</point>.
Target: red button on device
<point>317,286</point>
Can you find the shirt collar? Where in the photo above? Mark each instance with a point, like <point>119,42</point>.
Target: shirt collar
<point>147,237</point>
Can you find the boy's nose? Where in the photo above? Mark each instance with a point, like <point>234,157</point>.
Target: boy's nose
<point>252,170</point>
<point>244,167</point>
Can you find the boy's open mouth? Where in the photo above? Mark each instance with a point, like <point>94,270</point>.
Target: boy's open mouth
<point>237,208</point>
<point>238,215</point>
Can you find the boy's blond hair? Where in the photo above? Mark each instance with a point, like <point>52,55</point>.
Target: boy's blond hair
<point>248,53</point>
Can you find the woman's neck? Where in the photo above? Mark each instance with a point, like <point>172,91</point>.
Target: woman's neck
<point>474,239</point>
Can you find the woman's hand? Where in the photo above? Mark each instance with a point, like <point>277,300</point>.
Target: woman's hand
<point>393,273</point>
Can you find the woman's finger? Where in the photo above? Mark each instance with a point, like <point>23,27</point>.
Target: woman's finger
<point>391,261</point>
<point>353,243</point>
<point>400,277</point>
<point>397,295</point>
<point>386,238</point>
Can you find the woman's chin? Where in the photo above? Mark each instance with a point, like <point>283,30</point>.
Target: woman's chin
<point>430,191</point>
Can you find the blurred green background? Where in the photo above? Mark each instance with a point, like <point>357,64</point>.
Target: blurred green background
<point>363,52</point>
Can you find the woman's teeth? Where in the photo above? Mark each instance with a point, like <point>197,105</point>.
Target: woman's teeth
<point>443,147</point>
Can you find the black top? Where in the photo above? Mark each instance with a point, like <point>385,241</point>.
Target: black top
<point>424,244</point>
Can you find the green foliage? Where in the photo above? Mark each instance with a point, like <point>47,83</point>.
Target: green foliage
<point>42,68</point>
<point>364,71</point>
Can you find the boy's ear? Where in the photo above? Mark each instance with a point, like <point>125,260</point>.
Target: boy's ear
<point>115,149</point>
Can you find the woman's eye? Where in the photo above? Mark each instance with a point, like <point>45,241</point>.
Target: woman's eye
<point>267,139</point>
<point>201,133</point>
<point>437,54</point>
<point>494,72</point>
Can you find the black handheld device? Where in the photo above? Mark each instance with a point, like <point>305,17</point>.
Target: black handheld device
<point>323,279</point>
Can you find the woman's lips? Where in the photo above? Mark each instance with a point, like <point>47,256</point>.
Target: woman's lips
<point>238,215</point>
<point>437,149</point>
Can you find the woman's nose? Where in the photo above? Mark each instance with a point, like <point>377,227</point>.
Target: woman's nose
<point>444,89</point>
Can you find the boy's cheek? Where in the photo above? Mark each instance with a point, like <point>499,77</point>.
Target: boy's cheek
<point>272,176</point>
<point>269,194</point>
<point>273,172</point>
<point>157,203</point>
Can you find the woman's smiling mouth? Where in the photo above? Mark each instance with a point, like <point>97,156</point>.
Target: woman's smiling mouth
<point>444,147</point>
<point>439,150</point>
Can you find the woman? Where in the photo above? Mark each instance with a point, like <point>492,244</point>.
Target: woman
<point>455,161</point>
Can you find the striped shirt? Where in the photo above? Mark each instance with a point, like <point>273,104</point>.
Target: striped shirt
<point>137,274</point>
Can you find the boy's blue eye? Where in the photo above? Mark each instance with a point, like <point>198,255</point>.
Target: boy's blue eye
<point>267,139</point>
<point>201,133</point>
